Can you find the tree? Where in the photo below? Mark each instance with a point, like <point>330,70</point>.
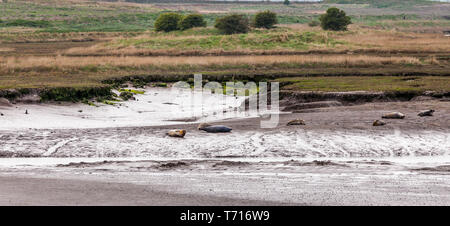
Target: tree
<point>192,20</point>
<point>265,19</point>
<point>168,22</point>
<point>335,19</point>
<point>286,2</point>
<point>232,24</point>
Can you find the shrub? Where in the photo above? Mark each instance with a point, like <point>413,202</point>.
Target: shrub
<point>192,20</point>
<point>265,19</point>
<point>286,2</point>
<point>168,22</point>
<point>335,19</point>
<point>232,24</point>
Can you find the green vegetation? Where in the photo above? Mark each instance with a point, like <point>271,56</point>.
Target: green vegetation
<point>367,83</point>
<point>335,19</point>
<point>168,22</point>
<point>191,21</point>
<point>125,95</point>
<point>266,19</point>
<point>279,38</point>
<point>75,94</point>
<point>232,24</point>
<point>25,23</point>
<point>383,3</point>
<point>132,91</point>
<point>160,84</point>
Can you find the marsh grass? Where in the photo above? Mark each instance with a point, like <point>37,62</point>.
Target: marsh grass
<point>111,63</point>
<point>283,40</point>
<point>367,83</point>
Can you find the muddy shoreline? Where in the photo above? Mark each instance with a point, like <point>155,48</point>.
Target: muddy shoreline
<point>337,158</point>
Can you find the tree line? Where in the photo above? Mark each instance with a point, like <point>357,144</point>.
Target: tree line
<point>334,19</point>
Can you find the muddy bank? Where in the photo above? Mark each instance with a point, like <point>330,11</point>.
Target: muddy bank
<point>229,182</point>
<point>298,101</point>
<point>340,131</point>
<point>146,52</point>
<point>55,191</point>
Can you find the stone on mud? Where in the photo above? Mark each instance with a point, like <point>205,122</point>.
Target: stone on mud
<point>393,115</point>
<point>378,123</point>
<point>296,122</point>
<point>426,113</point>
<point>176,133</point>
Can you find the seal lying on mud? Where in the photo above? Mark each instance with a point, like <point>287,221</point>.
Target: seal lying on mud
<point>426,113</point>
<point>216,129</point>
<point>296,122</point>
<point>394,115</point>
<point>176,133</point>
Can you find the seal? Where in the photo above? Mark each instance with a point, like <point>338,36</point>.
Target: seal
<point>393,115</point>
<point>177,133</point>
<point>217,129</point>
<point>426,113</point>
<point>296,122</point>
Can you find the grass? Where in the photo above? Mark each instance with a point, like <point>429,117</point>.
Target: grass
<point>93,16</point>
<point>384,3</point>
<point>132,91</point>
<point>208,39</point>
<point>367,83</point>
<point>284,40</point>
<point>110,64</point>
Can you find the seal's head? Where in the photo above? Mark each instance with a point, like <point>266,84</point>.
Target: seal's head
<point>201,126</point>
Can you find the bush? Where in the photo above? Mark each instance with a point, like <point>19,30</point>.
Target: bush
<point>192,20</point>
<point>286,2</point>
<point>168,22</point>
<point>265,19</point>
<point>335,19</point>
<point>232,24</point>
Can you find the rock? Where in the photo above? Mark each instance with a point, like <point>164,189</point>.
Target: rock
<point>296,122</point>
<point>4,102</point>
<point>378,123</point>
<point>176,133</point>
<point>426,113</point>
<point>1,114</point>
<point>26,112</point>
<point>216,129</point>
<point>203,125</point>
<point>393,115</point>
<point>80,111</point>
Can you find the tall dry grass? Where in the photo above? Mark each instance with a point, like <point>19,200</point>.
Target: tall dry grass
<point>391,41</point>
<point>11,63</point>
